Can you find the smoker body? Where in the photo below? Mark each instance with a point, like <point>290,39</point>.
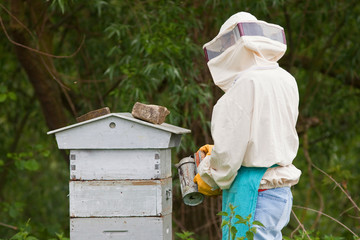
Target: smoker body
<point>189,190</point>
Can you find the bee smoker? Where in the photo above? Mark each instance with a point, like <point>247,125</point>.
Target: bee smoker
<point>189,190</point>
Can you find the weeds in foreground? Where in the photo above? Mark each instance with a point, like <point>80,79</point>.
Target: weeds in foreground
<point>240,220</point>
<point>230,224</point>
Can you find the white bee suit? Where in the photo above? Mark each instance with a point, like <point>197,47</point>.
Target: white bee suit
<point>253,123</point>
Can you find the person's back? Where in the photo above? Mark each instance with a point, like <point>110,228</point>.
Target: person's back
<point>274,115</point>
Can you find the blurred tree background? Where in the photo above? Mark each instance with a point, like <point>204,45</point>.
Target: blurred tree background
<point>61,59</point>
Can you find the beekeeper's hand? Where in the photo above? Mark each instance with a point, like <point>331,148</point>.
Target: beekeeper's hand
<point>202,153</point>
<point>204,188</point>
<point>206,149</point>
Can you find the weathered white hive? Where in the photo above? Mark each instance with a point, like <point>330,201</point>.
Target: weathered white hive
<point>120,177</point>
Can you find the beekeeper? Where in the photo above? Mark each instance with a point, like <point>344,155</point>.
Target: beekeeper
<point>252,125</point>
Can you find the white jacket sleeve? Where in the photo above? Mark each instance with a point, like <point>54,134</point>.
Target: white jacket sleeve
<point>230,128</point>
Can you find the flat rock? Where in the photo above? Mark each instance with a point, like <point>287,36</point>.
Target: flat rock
<point>93,114</point>
<point>150,113</point>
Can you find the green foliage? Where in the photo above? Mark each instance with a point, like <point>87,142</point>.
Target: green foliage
<point>156,58</point>
<point>229,223</point>
<point>62,4</point>
<point>6,95</point>
<point>24,161</point>
<point>25,234</point>
<point>185,235</point>
<point>314,236</point>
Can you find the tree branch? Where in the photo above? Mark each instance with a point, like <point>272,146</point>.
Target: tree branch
<point>17,20</point>
<point>9,226</point>
<point>334,219</point>
<point>300,225</point>
<point>36,50</point>
<point>339,186</point>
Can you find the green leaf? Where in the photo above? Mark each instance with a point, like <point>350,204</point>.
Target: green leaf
<point>232,207</point>
<point>2,163</point>
<point>223,223</point>
<point>12,96</point>
<point>3,97</point>
<point>258,223</point>
<point>61,237</point>
<point>61,4</point>
<point>185,235</point>
<point>239,217</point>
<point>19,236</point>
<point>180,235</point>
<point>46,153</point>
<point>249,235</point>
<point>241,220</point>
<point>99,5</point>
<point>253,230</point>
<point>31,165</point>
<point>225,214</point>
<point>233,231</point>
<point>31,238</point>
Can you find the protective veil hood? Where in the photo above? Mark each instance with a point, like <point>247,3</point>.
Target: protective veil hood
<point>251,51</point>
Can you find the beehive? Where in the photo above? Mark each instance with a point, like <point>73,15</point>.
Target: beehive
<point>120,177</point>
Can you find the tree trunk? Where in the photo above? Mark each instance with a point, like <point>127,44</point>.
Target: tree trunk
<point>39,68</point>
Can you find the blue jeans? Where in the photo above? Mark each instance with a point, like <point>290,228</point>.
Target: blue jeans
<point>273,210</point>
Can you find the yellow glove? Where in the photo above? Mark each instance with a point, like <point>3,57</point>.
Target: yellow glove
<point>202,153</point>
<point>204,188</point>
<point>207,149</point>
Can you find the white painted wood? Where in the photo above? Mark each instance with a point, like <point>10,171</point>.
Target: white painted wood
<point>128,116</point>
<point>118,131</point>
<point>120,164</point>
<point>113,133</point>
<point>120,198</point>
<point>133,228</point>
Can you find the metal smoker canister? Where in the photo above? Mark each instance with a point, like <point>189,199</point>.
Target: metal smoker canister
<point>189,190</point>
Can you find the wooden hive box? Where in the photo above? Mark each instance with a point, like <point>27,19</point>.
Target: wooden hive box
<point>120,177</point>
